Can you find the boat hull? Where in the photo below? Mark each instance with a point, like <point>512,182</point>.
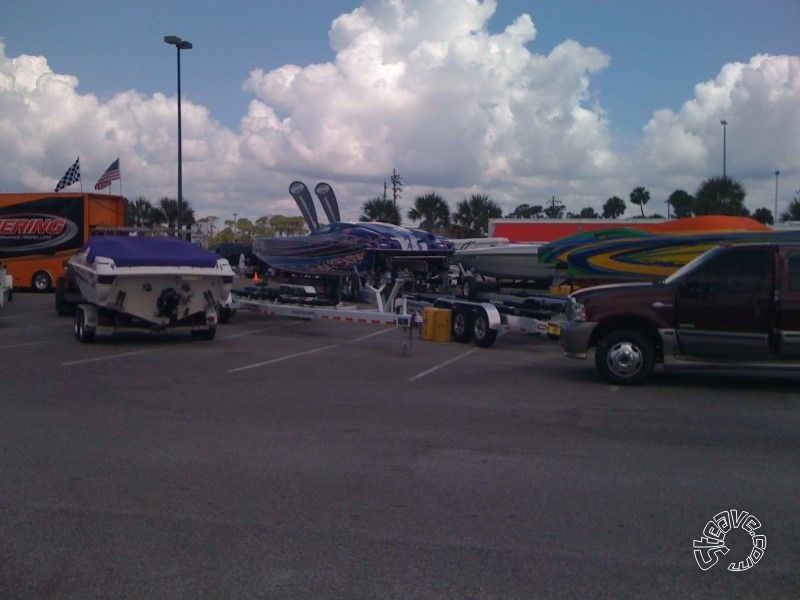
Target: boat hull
<point>160,294</point>
<point>655,256</point>
<point>517,262</point>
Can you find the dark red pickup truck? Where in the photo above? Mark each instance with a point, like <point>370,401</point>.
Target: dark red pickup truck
<point>733,305</point>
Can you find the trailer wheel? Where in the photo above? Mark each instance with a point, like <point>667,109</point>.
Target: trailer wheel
<point>225,314</point>
<point>469,287</point>
<point>63,306</point>
<point>462,325</point>
<point>484,335</point>
<point>41,281</point>
<point>83,333</point>
<point>625,357</point>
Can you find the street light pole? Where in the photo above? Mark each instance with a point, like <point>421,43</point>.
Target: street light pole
<point>724,124</point>
<point>179,45</point>
<point>776,196</point>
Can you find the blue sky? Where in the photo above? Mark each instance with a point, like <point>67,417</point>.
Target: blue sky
<point>657,52</point>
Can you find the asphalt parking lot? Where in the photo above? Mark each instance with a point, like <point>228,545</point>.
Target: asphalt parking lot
<point>296,459</point>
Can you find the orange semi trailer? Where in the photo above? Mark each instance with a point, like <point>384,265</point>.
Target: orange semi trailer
<point>38,232</point>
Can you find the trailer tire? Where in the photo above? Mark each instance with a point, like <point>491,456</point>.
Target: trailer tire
<point>63,307</point>
<point>484,335</point>
<point>225,314</point>
<point>625,357</point>
<point>41,281</point>
<point>469,287</point>
<point>83,333</point>
<point>462,325</point>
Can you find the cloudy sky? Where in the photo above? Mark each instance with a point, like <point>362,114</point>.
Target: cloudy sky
<point>519,100</point>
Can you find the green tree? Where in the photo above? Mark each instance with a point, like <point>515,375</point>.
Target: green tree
<point>763,215</point>
<point>681,203</point>
<point>588,213</point>
<point>555,209</point>
<point>281,225</point>
<point>380,209</point>
<point>792,213</point>
<point>526,211</point>
<point>720,196</point>
<point>613,208</point>
<point>473,214</point>
<point>169,208</point>
<point>141,213</point>
<point>640,196</point>
<point>432,211</point>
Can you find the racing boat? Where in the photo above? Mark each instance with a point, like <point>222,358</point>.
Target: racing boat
<point>516,262</point>
<point>148,282</point>
<point>341,248</point>
<point>654,256</point>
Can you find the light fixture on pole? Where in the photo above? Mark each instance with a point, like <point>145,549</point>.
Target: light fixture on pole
<point>776,196</point>
<point>179,44</point>
<point>724,124</point>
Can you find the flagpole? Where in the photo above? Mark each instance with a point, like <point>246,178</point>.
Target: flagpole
<point>81,179</point>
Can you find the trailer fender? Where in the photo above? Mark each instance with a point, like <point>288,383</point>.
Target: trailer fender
<point>492,315</point>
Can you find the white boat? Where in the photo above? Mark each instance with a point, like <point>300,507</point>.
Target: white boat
<point>514,262</point>
<point>151,283</point>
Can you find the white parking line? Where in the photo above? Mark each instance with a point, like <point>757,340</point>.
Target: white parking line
<point>111,357</point>
<point>127,354</point>
<point>22,344</point>
<point>419,376</point>
<point>307,352</point>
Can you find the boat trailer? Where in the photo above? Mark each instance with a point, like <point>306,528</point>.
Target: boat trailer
<point>481,319</point>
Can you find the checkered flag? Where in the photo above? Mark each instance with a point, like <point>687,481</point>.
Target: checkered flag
<point>72,175</point>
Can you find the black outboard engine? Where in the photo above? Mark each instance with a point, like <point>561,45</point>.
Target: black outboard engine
<point>168,302</point>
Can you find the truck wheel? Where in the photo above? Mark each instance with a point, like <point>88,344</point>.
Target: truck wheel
<point>462,325</point>
<point>83,333</point>
<point>484,335</point>
<point>625,357</point>
<point>41,281</point>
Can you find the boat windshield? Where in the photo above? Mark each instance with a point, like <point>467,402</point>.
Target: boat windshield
<point>701,258</point>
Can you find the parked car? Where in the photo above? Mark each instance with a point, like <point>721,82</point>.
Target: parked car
<point>733,305</point>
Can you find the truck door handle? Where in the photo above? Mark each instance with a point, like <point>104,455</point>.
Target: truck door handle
<point>661,305</point>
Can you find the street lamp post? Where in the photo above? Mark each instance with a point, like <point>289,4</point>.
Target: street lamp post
<point>179,45</point>
<point>724,124</point>
<point>776,196</point>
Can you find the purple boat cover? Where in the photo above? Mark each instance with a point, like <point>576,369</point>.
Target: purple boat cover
<point>150,251</point>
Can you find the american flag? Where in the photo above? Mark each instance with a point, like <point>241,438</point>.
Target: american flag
<point>72,175</point>
<point>112,173</point>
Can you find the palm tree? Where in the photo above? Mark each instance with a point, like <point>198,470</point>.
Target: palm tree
<point>169,208</point>
<point>720,196</point>
<point>640,196</point>
<point>432,211</point>
<point>141,213</point>
<point>473,215</point>
<point>380,209</point>
<point>792,213</point>
<point>613,208</point>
